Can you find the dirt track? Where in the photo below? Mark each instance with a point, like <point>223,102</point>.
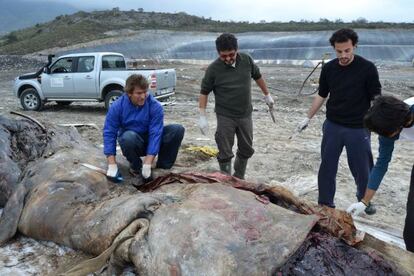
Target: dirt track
<point>277,160</point>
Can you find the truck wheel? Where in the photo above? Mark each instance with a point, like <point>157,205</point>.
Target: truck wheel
<point>30,100</point>
<point>63,103</point>
<point>111,97</point>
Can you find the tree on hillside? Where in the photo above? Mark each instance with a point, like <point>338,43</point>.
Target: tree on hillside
<point>360,20</point>
<point>11,37</point>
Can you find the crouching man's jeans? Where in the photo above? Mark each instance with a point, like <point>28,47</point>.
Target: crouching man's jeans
<point>134,145</point>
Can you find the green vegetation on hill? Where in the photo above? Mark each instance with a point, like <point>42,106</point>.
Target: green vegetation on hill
<point>82,27</point>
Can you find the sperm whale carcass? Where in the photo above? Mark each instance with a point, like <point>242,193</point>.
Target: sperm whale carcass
<point>179,224</point>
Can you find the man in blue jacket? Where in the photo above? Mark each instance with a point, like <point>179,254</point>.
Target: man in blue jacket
<point>136,120</point>
<point>393,120</point>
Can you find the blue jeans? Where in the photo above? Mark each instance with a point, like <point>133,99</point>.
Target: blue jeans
<point>134,145</point>
<point>357,142</point>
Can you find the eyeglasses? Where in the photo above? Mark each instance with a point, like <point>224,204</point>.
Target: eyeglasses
<point>230,55</point>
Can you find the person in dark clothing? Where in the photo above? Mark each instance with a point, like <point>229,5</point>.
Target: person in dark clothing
<point>136,120</point>
<point>393,120</point>
<point>229,77</point>
<point>351,82</point>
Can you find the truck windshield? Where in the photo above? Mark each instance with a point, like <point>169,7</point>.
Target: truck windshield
<point>113,63</point>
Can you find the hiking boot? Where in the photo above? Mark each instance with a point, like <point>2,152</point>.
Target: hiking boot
<point>370,209</point>
<point>225,167</point>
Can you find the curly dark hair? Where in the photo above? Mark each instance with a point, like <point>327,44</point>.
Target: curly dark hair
<point>387,115</point>
<point>135,80</point>
<point>226,42</point>
<point>343,35</point>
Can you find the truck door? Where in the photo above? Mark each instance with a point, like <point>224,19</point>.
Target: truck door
<point>84,78</point>
<point>58,84</point>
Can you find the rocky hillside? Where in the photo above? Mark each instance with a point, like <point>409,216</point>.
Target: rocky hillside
<point>82,27</point>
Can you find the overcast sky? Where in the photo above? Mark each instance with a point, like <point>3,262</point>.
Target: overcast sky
<point>268,10</point>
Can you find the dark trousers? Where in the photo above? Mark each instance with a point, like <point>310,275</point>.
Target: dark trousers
<point>409,220</point>
<point>357,142</point>
<point>134,145</point>
<point>227,128</point>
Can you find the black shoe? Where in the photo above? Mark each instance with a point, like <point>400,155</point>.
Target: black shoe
<point>146,180</point>
<point>370,209</point>
<point>137,180</point>
<point>134,173</point>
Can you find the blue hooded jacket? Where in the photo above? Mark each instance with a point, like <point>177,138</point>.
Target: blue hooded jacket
<point>123,115</point>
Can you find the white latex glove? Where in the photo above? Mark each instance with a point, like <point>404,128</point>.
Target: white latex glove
<point>202,122</point>
<point>303,124</point>
<point>112,170</point>
<point>356,208</point>
<point>146,170</point>
<point>269,100</point>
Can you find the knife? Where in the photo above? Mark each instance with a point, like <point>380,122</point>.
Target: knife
<point>271,114</point>
<point>116,179</point>
<point>297,132</point>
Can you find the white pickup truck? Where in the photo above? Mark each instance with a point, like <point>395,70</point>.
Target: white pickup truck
<point>86,77</point>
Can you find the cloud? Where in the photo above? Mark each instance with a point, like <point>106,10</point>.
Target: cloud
<point>268,10</point>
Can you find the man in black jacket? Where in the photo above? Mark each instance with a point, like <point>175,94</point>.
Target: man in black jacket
<point>351,82</point>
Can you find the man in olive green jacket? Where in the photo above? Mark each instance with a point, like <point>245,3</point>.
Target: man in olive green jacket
<point>229,77</point>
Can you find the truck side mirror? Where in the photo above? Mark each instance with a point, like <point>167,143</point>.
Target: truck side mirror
<point>46,70</point>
